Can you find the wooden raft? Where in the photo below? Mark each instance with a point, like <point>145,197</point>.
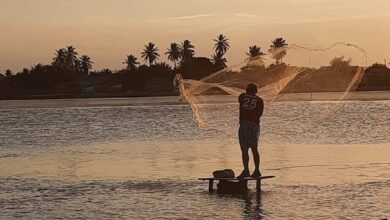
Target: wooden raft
<point>258,181</point>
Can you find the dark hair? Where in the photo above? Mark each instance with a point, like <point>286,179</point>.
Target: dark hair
<point>251,89</point>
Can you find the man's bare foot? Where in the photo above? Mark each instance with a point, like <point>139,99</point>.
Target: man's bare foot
<point>244,174</point>
<point>256,174</point>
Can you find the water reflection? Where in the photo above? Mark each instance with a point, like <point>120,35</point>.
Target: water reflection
<point>253,207</point>
<point>250,203</point>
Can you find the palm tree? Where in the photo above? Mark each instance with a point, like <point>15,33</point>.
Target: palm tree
<point>59,59</point>
<point>278,49</point>
<point>221,44</point>
<point>25,72</point>
<point>254,51</point>
<point>173,53</point>
<point>150,53</point>
<point>187,50</point>
<point>85,63</point>
<point>8,73</point>
<point>71,58</point>
<point>37,68</point>
<point>106,72</point>
<point>131,62</point>
<point>219,61</point>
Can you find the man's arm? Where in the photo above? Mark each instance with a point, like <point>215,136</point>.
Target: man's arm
<point>240,99</point>
<point>261,107</point>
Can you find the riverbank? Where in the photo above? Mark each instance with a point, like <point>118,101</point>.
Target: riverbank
<point>131,94</point>
<point>171,99</point>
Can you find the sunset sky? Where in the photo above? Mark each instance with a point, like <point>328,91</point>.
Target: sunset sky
<point>108,30</point>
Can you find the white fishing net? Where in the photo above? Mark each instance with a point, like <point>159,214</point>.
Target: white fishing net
<point>291,80</point>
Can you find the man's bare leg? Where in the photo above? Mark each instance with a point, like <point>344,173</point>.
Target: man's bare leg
<point>245,159</point>
<point>256,159</point>
<point>245,162</point>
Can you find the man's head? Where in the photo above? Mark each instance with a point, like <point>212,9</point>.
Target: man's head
<point>251,89</point>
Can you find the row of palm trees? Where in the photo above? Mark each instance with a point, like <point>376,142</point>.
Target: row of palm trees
<point>150,54</point>
<point>66,59</point>
<point>179,53</point>
<point>277,50</point>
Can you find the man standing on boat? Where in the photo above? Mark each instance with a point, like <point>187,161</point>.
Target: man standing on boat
<point>251,109</point>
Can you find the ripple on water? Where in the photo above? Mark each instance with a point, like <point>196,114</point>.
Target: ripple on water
<point>350,181</point>
<point>167,199</point>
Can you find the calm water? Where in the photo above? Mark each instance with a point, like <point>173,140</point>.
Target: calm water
<point>140,158</point>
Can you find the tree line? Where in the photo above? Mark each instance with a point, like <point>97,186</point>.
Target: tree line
<point>67,67</point>
<point>70,70</point>
<point>66,59</point>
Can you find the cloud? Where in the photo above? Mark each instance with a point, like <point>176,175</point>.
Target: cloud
<point>244,15</point>
<point>185,17</point>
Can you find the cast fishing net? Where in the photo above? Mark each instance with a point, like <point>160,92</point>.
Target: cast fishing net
<point>305,90</point>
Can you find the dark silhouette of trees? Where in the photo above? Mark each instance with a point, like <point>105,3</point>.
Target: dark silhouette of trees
<point>187,50</point>
<point>25,72</point>
<point>46,76</point>
<point>155,70</point>
<point>164,65</point>
<point>219,61</point>
<point>85,64</point>
<point>71,59</point>
<point>59,59</point>
<point>100,73</point>
<point>278,49</point>
<point>150,53</point>
<point>221,45</point>
<point>106,72</point>
<point>131,62</point>
<point>254,51</point>
<point>37,67</point>
<point>66,59</point>
<point>8,73</point>
<point>137,80</point>
<point>197,68</point>
<point>70,74</point>
<point>192,67</point>
<point>173,53</point>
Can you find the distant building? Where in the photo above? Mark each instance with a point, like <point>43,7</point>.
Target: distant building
<point>116,88</point>
<point>159,85</point>
<point>90,89</point>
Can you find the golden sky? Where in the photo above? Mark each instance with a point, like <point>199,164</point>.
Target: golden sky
<point>108,30</point>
